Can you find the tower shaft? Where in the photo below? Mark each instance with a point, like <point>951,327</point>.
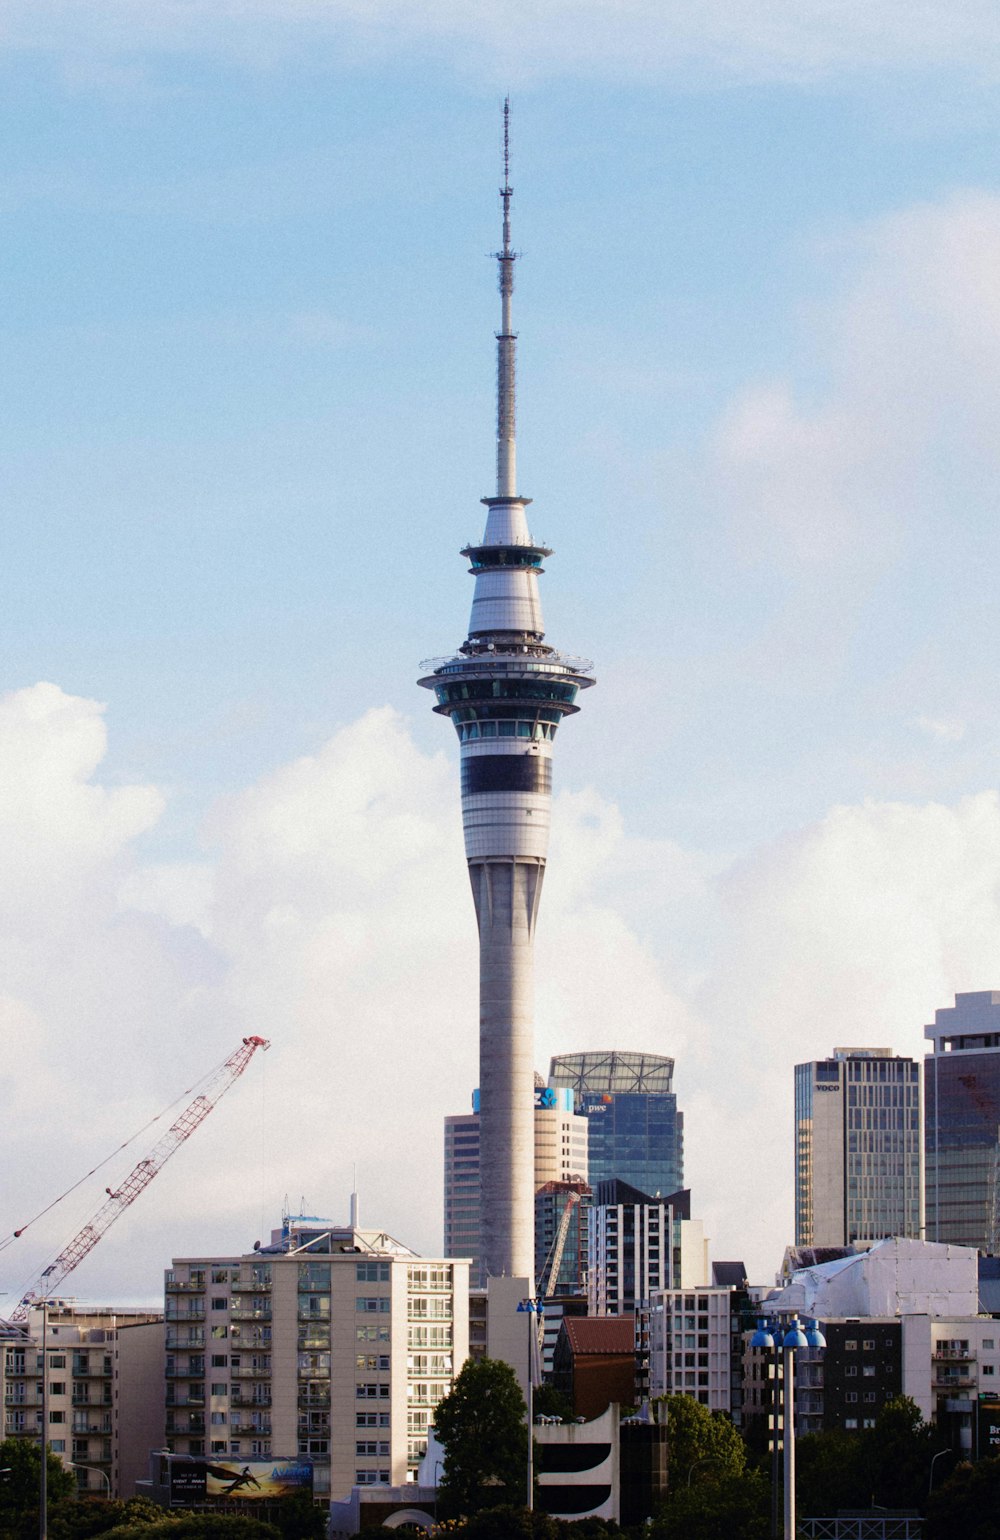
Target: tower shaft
<point>506,691</point>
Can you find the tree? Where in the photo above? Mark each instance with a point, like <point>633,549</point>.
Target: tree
<point>299,1518</point>
<point>831,1473</point>
<point>482,1426</point>
<point>197,1526</point>
<point>736,1507</point>
<point>20,1486</point>
<point>547,1401</point>
<point>967,1505</point>
<point>699,1438</point>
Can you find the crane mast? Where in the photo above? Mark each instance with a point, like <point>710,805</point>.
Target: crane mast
<point>139,1178</point>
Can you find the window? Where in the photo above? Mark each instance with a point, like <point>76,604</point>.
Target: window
<point>220,1388</point>
<point>220,1360</point>
<point>851,1397</point>
<point>220,1302</point>
<point>221,1275</point>
<point>987,1369</point>
<point>57,1388</point>
<point>56,1417</point>
<point>220,1331</point>
<point>870,1395</point>
<point>869,1344</point>
<point>58,1360</point>
<point>851,1345</point>
<point>218,1446</point>
<point>373,1304</point>
<point>851,1370</point>
<point>234,1446</point>
<point>869,1371</point>
<point>850,1422</point>
<point>987,1348</point>
<point>373,1272</point>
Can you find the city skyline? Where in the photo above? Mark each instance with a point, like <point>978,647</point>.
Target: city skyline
<point>249,396</point>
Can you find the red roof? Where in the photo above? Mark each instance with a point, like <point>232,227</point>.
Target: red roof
<point>600,1333</point>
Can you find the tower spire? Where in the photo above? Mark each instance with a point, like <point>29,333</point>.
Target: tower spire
<point>506,337</point>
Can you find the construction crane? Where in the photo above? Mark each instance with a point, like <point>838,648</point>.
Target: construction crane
<point>550,1273</point>
<point>140,1176</point>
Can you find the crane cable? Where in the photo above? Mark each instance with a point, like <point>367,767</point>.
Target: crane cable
<point>16,1234</point>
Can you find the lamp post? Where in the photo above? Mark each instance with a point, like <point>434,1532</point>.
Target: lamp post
<point>74,1465</point>
<point>531,1308</point>
<point>787,1338</point>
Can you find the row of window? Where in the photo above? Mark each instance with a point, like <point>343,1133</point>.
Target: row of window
<point>536,730</point>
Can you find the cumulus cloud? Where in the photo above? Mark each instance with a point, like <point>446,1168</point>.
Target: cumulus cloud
<point>769,39</point>
<point>329,911</point>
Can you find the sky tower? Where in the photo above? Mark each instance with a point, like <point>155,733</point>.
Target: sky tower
<point>506,691</point>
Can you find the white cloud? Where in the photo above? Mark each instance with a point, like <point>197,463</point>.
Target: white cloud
<point>943,729</point>
<point>331,913</point>
<point>769,39</point>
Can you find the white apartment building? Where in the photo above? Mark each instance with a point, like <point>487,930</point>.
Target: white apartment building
<point>691,1336</point>
<point>638,1245</point>
<point>332,1344</point>
<point>70,1371</point>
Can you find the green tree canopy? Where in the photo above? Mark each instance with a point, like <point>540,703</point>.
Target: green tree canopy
<point>197,1526</point>
<point>21,1463</point>
<point>967,1507</point>
<point>727,1508</point>
<point>482,1426</point>
<point>699,1438</point>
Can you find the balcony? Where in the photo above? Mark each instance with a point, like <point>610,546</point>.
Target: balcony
<point>185,1288</point>
<point>251,1312</point>
<point>192,1425</point>
<point>251,1374</point>
<point>257,1429</point>
<point>953,1355</point>
<point>182,1401</point>
<point>91,1424</point>
<point>238,1399</point>
<point>191,1336</point>
<point>306,1403</point>
<point>191,1312</point>
<point>251,1288</point>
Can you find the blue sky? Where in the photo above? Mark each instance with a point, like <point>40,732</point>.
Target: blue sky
<point>247,329</point>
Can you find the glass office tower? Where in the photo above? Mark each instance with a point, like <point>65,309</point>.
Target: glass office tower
<point>962,1122</point>
<point>635,1129</point>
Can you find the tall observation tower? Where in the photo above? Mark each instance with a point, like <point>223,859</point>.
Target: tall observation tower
<point>506,690</point>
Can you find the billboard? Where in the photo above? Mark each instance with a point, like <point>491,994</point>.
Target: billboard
<point>196,1481</point>
<point>989,1425</point>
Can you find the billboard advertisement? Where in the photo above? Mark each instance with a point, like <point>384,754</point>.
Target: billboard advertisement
<point>989,1425</point>
<point>198,1481</point>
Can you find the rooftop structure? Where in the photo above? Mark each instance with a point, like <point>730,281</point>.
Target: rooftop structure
<point>635,1130</point>
<point>506,691</point>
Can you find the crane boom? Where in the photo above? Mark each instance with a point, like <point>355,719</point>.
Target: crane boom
<point>555,1263</point>
<point>141,1175</point>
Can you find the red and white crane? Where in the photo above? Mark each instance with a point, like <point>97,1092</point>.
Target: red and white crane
<point>139,1177</point>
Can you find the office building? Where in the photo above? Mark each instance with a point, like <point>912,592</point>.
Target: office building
<point>92,1377</point>
<point>962,1122</point>
<point>635,1130</point>
<point>638,1245</point>
<point>506,690</point>
<point>859,1160</point>
<point>560,1156</point>
<point>332,1344</point>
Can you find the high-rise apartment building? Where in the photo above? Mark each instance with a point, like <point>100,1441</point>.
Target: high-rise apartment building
<point>560,1156</point>
<point>962,1122</point>
<point>70,1371</point>
<point>333,1344</point>
<point>639,1245</point>
<point>858,1148</point>
<point>635,1130</point>
<point>506,690</point>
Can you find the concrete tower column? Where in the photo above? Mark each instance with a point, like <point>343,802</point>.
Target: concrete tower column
<point>506,691</point>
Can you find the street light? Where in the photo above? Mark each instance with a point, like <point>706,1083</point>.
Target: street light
<point>789,1337</point>
<point>930,1478</point>
<point>531,1308</point>
<point>96,1469</point>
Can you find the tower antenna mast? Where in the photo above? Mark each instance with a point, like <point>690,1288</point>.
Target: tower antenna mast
<point>506,337</point>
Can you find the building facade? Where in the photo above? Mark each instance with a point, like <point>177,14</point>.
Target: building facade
<point>560,1156</point>
<point>638,1245</point>
<point>506,691</point>
<point>859,1148</point>
<point>66,1372</point>
<point>962,1122</point>
<point>692,1341</point>
<point>332,1344</point>
<point>635,1129</point>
